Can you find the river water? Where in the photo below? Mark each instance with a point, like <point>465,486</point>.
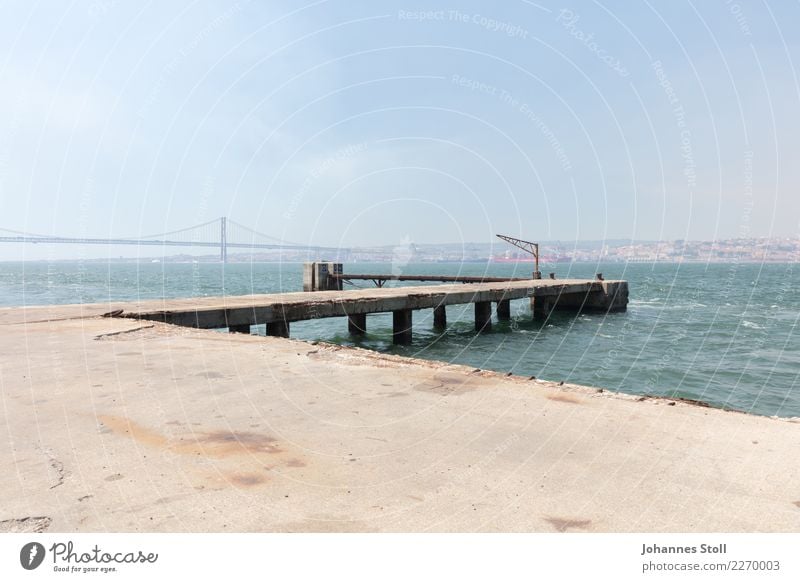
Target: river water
<point>726,334</point>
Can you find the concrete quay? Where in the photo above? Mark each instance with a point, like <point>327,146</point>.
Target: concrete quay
<point>113,424</point>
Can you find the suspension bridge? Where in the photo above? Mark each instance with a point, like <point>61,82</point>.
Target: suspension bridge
<point>221,233</point>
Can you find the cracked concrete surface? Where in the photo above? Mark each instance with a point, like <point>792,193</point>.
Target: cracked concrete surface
<point>56,469</point>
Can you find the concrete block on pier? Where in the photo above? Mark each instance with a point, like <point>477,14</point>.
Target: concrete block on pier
<point>308,277</point>
<point>603,297</point>
<point>615,296</point>
<point>316,276</point>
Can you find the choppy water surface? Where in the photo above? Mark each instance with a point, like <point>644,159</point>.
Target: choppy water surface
<point>725,334</point>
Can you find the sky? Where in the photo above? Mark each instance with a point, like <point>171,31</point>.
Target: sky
<point>370,123</point>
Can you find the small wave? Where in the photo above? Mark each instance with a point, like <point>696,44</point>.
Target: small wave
<point>751,325</point>
<point>684,306</point>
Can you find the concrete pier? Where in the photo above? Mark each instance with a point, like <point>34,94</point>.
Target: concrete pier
<point>118,425</point>
<point>277,311</point>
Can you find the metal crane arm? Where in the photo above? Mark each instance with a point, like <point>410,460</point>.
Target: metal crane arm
<point>527,246</point>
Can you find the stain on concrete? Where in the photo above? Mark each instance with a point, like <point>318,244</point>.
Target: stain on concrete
<point>563,525</point>
<point>432,386</point>
<point>114,477</point>
<point>211,375</point>
<point>563,397</point>
<point>217,444</point>
<point>447,384</point>
<point>26,525</point>
<point>457,381</point>
<point>240,457</point>
<point>247,480</point>
<point>124,426</point>
<point>797,503</point>
<point>224,443</point>
<point>248,450</point>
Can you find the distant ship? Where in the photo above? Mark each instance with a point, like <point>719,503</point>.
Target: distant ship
<point>522,259</point>
<point>511,260</point>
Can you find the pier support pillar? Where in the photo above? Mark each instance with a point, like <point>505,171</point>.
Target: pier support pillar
<point>483,316</point>
<point>278,328</point>
<point>401,327</point>
<point>357,323</point>
<point>504,310</point>
<point>541,307</point>
<point>243,328</point>
<point>439,317</point>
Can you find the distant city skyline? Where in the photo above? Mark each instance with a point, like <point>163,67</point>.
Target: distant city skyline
<point>365,124</point>
<point>758,250</point>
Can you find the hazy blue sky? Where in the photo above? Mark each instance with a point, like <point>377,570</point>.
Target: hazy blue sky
<point>342,122</point>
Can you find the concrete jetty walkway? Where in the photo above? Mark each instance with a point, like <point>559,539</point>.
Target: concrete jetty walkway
<point>115,424</point>
<point>277,311</point>
<point>238,313</point>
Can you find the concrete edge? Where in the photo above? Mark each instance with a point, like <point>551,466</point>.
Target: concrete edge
<point>366,356</point>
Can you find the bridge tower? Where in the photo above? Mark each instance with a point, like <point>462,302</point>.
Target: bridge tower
<point>223,240</point>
